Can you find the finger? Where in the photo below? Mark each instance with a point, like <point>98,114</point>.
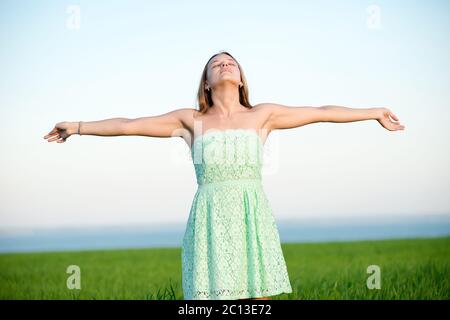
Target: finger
<point>394,121</point>
<point>50,135</point>
<point>54,138</point>
<point>53,131</point>
<point>393,116</point>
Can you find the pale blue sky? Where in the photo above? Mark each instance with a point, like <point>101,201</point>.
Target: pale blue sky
<point>142,58</point>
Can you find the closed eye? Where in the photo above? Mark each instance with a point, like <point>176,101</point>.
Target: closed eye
<point>231,63</point>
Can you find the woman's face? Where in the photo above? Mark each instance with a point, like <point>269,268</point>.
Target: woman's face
<point>222,68</point>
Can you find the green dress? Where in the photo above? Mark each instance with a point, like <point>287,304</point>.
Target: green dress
<point>231,247</point>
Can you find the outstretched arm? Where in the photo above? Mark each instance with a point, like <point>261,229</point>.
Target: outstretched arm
<point>285,117</point>
<point>170,124</point>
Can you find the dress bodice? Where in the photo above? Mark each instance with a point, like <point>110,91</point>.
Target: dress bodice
<point>231,154</point>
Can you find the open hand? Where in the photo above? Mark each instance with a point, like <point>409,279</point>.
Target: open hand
<point>389,120</point>
<point>60,132</point>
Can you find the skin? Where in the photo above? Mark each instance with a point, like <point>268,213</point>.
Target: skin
<point>224,78</point>
<point>226,113</point>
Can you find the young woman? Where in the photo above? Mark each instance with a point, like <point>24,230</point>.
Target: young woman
<point>231,247</point>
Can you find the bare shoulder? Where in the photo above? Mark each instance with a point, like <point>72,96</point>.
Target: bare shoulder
<point>284,117</point>
<point>263,107</point>
<point>266,109</point>
<point>185,116</point>
<point>185,113</point>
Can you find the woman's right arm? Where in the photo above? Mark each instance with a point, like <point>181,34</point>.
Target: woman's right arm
<point>165,125</point>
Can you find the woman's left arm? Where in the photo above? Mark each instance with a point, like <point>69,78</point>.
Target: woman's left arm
<point>284,117</point>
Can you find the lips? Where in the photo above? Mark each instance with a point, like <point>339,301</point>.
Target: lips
<point>225,71</point>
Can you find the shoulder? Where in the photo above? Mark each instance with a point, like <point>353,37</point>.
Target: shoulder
<point>186,111</point>
<point>184,114</point>
<point>266,107</point>
<point>187,117</point>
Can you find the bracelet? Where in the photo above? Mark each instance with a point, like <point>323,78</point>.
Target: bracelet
<point>79,123</point>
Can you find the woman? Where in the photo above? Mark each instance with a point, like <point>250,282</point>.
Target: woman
<point>231,247</point>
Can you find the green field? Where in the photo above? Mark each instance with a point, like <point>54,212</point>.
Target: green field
<point>410,269</point>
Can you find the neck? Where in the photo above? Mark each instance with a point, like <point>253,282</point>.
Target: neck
<point>225,100</point>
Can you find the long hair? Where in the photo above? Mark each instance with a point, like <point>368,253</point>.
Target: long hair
<point>204,99</point>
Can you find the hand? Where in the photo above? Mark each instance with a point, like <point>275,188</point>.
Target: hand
<point>384,118</point>
<point>62,131</point>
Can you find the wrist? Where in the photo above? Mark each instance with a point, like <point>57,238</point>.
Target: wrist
<point>73,127</point>
<point>377,113</point>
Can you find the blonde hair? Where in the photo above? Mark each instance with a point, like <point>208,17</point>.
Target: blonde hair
<point>204,99</point>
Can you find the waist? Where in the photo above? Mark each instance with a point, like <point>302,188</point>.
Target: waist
<point>232,182</point>
<point>218,173</point>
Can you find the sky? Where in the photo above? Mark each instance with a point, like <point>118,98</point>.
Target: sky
<point>94,60</point>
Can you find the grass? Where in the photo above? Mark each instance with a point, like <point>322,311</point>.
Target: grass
<point>410,269</point>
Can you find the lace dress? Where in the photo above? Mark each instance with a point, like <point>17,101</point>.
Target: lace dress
<point>231,246</point>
